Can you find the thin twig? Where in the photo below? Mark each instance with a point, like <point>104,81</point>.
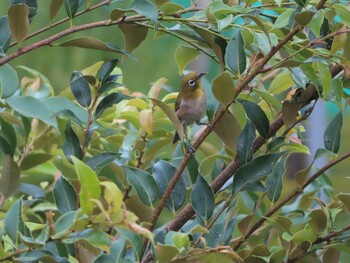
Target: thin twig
<point>104,23</point>
<point>89,121</point>
<point>107,2</point>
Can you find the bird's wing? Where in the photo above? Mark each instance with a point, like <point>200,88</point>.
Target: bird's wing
<point>177,102</point>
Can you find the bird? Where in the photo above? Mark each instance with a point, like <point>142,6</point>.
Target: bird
<point>190,104</point>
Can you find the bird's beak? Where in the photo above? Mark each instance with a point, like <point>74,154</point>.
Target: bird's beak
<point>201,75</point>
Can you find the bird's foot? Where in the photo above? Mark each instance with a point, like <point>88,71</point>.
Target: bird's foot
<point>206,124</point>
<point>190,149</point>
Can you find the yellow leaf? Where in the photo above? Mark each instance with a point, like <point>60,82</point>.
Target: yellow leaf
<point>146,120</point>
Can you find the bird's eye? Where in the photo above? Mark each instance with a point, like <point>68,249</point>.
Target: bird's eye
<point>191,83</point>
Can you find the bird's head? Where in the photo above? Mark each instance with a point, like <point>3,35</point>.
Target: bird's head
<point>192,81</point>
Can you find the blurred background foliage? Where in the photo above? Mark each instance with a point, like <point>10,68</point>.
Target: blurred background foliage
<point>155,59</point>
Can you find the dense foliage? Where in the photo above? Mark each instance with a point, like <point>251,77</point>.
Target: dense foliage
<point>90,174</point>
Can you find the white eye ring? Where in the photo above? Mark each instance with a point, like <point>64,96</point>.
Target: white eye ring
<point>191,83</point>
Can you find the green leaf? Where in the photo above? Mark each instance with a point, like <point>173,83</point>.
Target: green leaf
<point>290,111</point>
<point>93,43</point>
<point>270,99</point>
<point>33,160</point>
<point>95,237</point>
<point>8,81</point>
<point>31,107</point>
<point>13,222</point>
<point>133,35</point>
<point>5,37</point>
<point>165,253</point>
<point>202,199</point>
<point>245,143</point>
<point>343,13</point>
<point>302,3</point>
<point>332,254</point>
<point>332,134</point>
<point>65,195</point>
<point>310,74</point>
<point>281,83</point>
<point>61,105</point>
<point>30,189</point>
<point>171,115</point>
<point>316,23</point>
<point>10,176</point>
<point>293,147</point>
<point>29,241</point>
<point>274,181</point>
<point>298,76</point>
<point>325,77</point>
<point>55,7</point>
<point>71,145</point>
<point>185,55</point>
<point>235,56</point>
<point>64,223</point>
<point>44,234</point>
<point>283,19</point>
<point>169,8</point>
<point>223,88</point>
<point>113,196</point>
<point>217,44</point>
<point>228,130</point>
<point>134,239</point>
<point>118,249</point>
<point>162,173</point>
<point>304,235</point>
<point>304,18</point>
<point>318,221</point>
<point>143,7</point>
<point>256,169</point>
<point>144,184</point>
<point>109,101</point>
<point>18,21</point>
<point>68,114</point>
<point>259,22</point>
<point>106,69</point>
<point>6,147</point>
<point>32,4</point>
<point>345,199</point>
<point>40,255</point>
<point>8,133</point>
<point>109,85</point>
<point>257,116</point>
<point>71,7</point>
<point>90,185</point>
<point>80,88</point>
<point>99,161</point>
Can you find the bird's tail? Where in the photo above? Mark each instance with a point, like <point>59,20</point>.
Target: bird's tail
<point>176,137</point>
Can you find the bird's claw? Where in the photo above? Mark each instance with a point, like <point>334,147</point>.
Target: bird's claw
<point>206,124</point>
<point>190,149</point>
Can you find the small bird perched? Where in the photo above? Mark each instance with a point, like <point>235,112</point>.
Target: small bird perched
<point>191,103</point>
